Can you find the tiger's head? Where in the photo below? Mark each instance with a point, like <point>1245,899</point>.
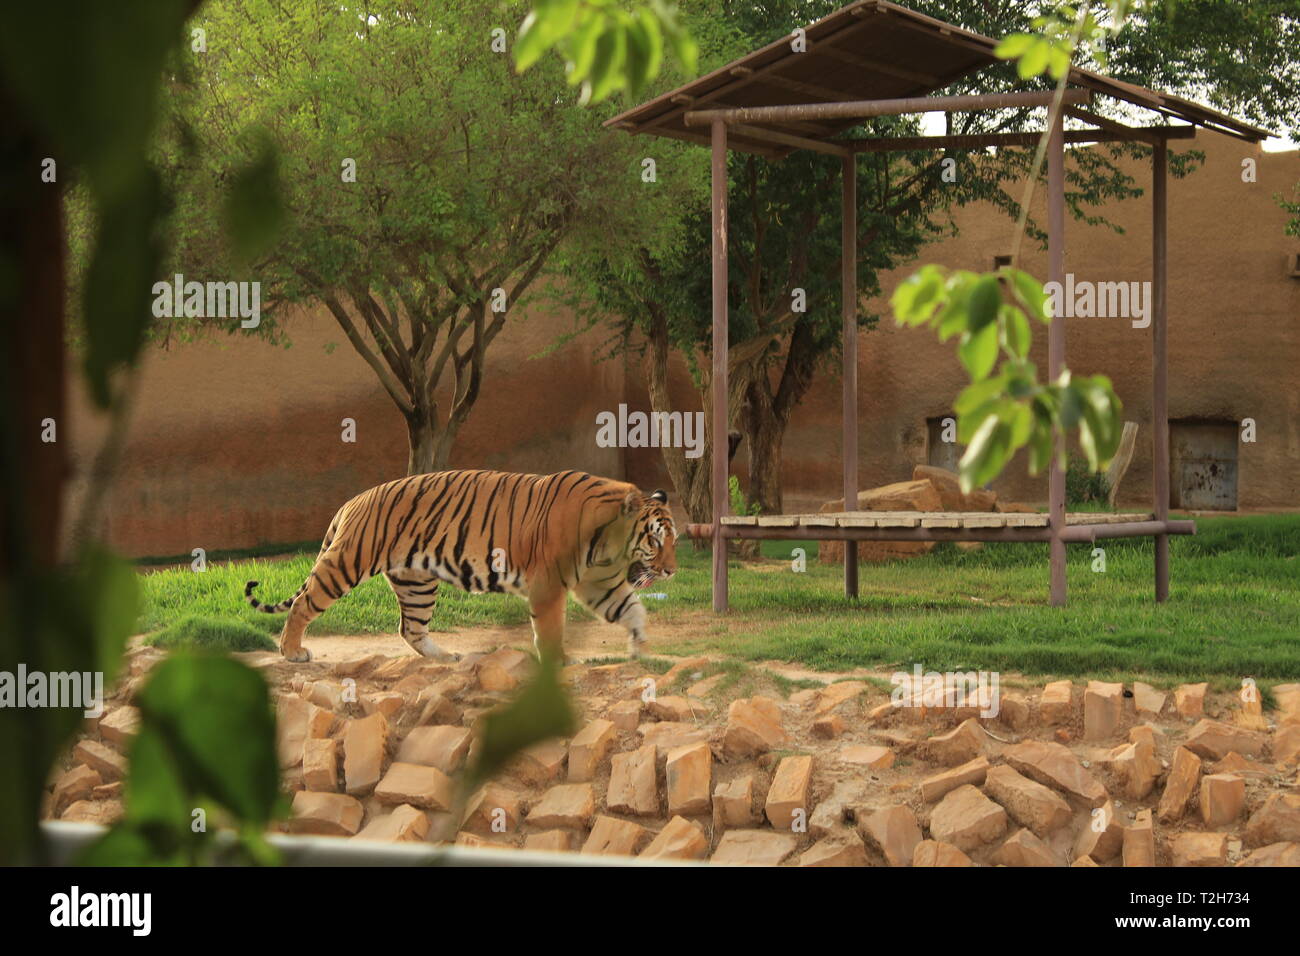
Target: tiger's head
<point>652,544</point>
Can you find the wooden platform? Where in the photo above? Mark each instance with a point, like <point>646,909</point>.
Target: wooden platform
<point>927,519</point>
<point>1085,526</point>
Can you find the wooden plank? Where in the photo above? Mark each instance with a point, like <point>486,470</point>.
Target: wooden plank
<point>1026,520</point>
<point>817,521</point>
<point>942,521</point>
<point>990,520</point>
<point>897,519</point>
<point>855,521</point>
<point>934,519</point>
<point>903,534</point>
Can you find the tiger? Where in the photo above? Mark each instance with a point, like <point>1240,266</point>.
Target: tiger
<point>536,536</point>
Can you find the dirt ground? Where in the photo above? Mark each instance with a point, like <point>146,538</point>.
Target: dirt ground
<point>583,641</point>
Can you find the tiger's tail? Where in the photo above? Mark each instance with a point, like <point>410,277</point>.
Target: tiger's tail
<point>288,602</point>
<point>271,608</point>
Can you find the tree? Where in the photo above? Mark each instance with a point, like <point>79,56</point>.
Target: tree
<point>425,184</point>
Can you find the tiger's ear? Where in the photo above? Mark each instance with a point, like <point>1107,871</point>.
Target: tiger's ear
<point>631,504</point>
<point>660,496</point>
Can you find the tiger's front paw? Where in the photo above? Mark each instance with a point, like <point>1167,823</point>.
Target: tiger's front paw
<point>427,648</point>
<point>634,647</point>
<point>299,656</point>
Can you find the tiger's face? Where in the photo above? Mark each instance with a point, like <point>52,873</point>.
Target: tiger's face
<point>653,543</point>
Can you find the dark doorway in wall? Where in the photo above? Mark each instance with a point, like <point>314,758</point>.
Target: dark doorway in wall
<point>940,453</point>
<point>1203,465</point>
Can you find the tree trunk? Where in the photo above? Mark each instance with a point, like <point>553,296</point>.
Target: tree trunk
<point>765,414</point>
<point>690,476</point>
<point>764,433</point>
<point>425,448</point>
<point>31,237</point>
<point>763,425</point>
<point>32,472</point>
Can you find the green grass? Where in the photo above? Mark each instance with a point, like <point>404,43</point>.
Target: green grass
<point>213,633</point>
<point>369,609</point>
<point>1234,609</point>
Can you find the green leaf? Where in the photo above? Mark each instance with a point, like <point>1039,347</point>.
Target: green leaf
<point>1034,60</point>
<point>98,108</point>
<point>985,298</point>
<point>1040,440</point>
<point>970,423</point>
<point>582,49</point>
<point>979,351</point>
<point>611,54</point>
<point>1030,293</point>
<point>1088,443</point>
<point>125,845</point>
<point>1071,408</point>
<point>1012,47</point>
<point>986,455</point>
<point>683,44</point>
<point>1102,418</point>
<point>1020,420</point>
<point>541,711</point>
<point>123,269</point>
<point>637,58</point>
<point>111,601</point>
<point>650,38</point>
<point>213,716</point>
<point>914,298</point>
<point>979,393</point>
<point>954,317</point>
<point>1058,61</point>
<point>154,790</point>
<point>548,23</point>
<point>254,209</point>
<point>1015,330</point>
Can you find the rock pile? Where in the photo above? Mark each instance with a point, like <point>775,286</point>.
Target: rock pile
<point>931,489</point>
<point>1094,774</point>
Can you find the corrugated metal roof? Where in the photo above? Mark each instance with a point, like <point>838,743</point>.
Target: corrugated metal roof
<point>868,50</point>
